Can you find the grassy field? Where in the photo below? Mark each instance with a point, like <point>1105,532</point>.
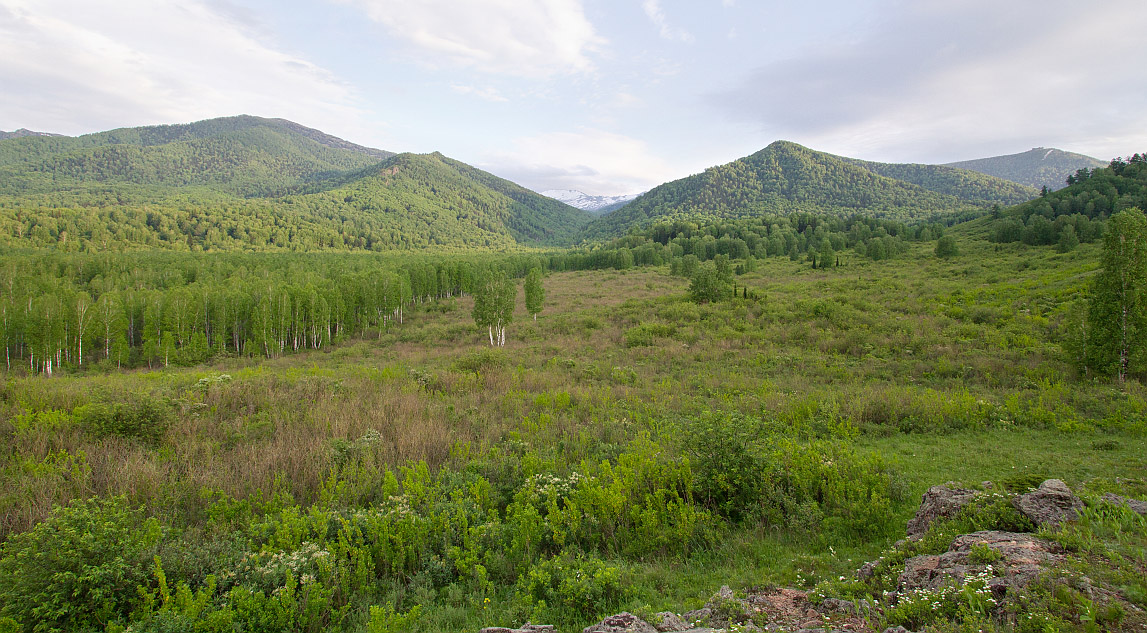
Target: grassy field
<point>780,439</point>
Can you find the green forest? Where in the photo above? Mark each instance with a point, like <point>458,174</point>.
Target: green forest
<point>225,410</point>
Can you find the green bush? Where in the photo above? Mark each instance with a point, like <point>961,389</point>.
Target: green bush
<point>78,570</point>
<point>145,420</point>
<point>573,586</point>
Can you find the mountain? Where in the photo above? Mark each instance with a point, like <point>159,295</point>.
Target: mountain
<point>255,184</point>
<point>1038,167</point>
<point>23,132</point>
<point>243,155</point>
<point>789,178</point>
<point>598,205</point>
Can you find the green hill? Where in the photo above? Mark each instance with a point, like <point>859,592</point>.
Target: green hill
<point>1038,167</point>
<point>787,178</point>
<point>255,184</point>
<point>244,155</point>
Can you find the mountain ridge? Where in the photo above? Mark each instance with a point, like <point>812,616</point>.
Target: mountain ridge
<point>1038,167</point>
<point>598,205</point>
<point>786,177</point>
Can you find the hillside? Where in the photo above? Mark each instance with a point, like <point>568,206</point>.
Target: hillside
<point>21,133</point>
<point>257,184</point>
<point>1038,167</point>
<point>961,183</point>
<point>786,178</point>
<point>244,155</point>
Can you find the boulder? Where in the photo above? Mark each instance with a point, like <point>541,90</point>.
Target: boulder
<point>1134,504</point>
<point>669,622</point>
<point>726,609</point>
<point>1049,505</point>
<point>526,628</point>
<point>624,622</point>
<point>1021,558</point>
<point>938,502</point>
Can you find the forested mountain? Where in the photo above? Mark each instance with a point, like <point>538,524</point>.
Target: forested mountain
<point>22,132</point>
<point>1075,213</point>
<point>788,178</point>
<point>965,184</point>
<point>248,183</point>
<point>1039,167</point>
<point>244,155</point>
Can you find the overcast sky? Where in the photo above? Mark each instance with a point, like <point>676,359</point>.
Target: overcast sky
<point>605,96</point>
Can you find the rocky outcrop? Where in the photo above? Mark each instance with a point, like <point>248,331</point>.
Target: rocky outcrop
<point>669,622</point>
<point>938,502</point>
<point>1134,504</point>
<point>526,628</point>
<point>1011,559</point>
<point>624,622</point>
<point>1049,505</point>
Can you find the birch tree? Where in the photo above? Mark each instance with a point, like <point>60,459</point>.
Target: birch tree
<point>535,292</point>
<point>1117,315</point>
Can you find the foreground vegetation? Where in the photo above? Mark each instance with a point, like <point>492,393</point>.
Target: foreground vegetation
<point>629,449</point>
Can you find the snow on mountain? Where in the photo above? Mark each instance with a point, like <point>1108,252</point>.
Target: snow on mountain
<point>586,202</point>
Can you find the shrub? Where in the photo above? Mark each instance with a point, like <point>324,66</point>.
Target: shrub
<point>145,420</point>
<point>79,568</point>
<point>578,586</point>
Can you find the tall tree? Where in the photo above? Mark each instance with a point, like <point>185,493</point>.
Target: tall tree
<point>535,292</point>
<point>494,304</point>
<point>1117,315</point>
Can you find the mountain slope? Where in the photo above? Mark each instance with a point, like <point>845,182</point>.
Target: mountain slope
<point>1038,167</point>
<point>23,132</point>
<point>787,178</point>
<point>964,184</point>
<point>256,184</point>
<point>598,205</point>
<point>244,155</point>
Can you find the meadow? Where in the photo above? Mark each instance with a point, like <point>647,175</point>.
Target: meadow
<point>628,450</point>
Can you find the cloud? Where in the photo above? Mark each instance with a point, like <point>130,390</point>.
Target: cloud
<point>75,67</point>
<point>656,15</point>
<point>489,93</point>
<point>592,161</point>
<point>945,81</point>
<point>527,38</point>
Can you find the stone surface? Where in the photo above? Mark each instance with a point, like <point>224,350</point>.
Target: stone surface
<point>526,628</point>
<point>624,622</point>
<point>1134,504</point>
<point>1049,505</point>
<point>938,502</point>
<point>667,622</point>
<point>1022,558</point>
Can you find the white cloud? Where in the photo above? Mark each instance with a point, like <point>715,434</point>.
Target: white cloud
<point>489,93</point>
<point>592,161</point>
<point>78,66</point>
<point>528,38</point>
<point>656,15</point>
<point>944,81</point>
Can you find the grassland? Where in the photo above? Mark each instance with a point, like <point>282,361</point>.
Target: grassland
<point>898,374</point>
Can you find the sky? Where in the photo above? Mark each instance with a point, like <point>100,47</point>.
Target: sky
<point>607,97</point>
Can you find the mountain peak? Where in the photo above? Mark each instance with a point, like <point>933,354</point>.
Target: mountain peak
<point>1038,167</point>
<point>594,204</point>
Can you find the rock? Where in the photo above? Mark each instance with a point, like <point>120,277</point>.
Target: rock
<point>726,609</point>
<point>1022,558</point>
<point>667,621</point>
<point>836,605</point>
<point>896,629</point>
<point>938,502</point>
<point>526,628</point>
<point>697,615</point>
<point>624,622</point>
<point>1134,504</point>
<point>1049,505</point>
<point>812,625</point>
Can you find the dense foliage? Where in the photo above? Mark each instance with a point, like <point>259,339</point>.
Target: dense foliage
<point>787,178</point>
<point>253,184</point>
<point>1090,197</point>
